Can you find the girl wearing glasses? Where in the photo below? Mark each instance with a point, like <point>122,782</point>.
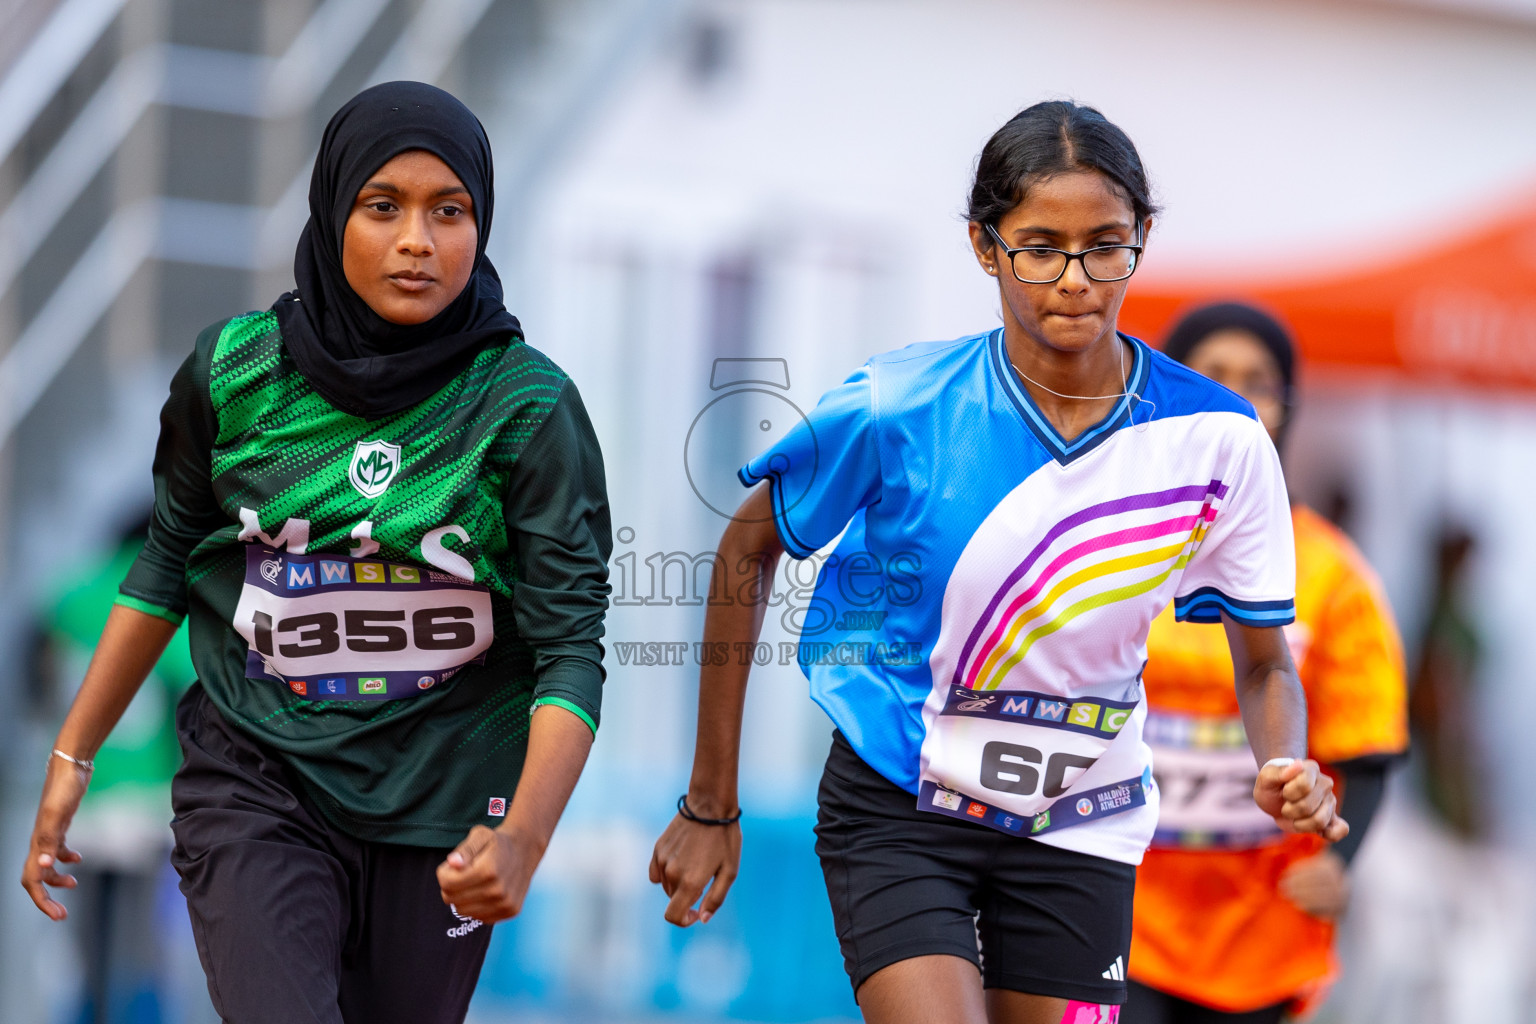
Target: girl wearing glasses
<point>1014,509</point>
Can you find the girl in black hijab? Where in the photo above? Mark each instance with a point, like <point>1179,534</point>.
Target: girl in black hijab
<point>361,362</point>
<point>384,517</point>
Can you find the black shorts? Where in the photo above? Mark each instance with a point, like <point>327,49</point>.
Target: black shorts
<point>906,883</point>
<point>296,921</point>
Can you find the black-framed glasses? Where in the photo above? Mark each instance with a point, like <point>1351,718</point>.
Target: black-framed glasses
<point>1039,264</point>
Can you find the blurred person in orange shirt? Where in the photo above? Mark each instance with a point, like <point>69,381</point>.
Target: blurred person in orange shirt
<point>1234,919</point>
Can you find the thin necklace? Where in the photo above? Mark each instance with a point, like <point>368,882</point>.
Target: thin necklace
<point>1125,382</point>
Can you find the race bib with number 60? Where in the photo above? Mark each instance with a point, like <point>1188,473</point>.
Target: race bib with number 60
<point>1028,763</point>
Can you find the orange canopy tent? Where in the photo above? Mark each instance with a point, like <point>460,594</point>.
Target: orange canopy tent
<point>1462,311</point>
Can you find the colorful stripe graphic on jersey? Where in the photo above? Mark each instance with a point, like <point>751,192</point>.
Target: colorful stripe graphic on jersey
<point>1096,556</point>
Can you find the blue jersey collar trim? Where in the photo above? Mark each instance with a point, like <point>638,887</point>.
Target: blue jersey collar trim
<point>1059,449</point>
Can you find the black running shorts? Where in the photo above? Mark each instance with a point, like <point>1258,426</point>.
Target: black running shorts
<point>296,921</point>
<point>906,883</point>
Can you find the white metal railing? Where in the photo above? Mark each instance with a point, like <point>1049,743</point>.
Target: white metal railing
<point>217,234</point>
<point>184,76</point>
<point>47,63</point>
<point>82,296</point>
<point>244,236</point>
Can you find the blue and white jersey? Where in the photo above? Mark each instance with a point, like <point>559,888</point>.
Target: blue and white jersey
<point>978,632</point>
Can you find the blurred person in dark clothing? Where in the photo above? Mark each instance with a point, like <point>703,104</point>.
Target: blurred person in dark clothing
<point>1444,686</point>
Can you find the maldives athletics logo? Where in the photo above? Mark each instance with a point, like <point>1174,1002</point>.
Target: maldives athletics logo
<point>375,464</point>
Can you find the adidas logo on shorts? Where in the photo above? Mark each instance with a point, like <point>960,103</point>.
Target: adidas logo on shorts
<point>469,924</point>
<point>1116,970</point>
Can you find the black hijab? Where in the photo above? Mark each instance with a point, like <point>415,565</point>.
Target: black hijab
<point>361,363</point>
<point>1201,323</point>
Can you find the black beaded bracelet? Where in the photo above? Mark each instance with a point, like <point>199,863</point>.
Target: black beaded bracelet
<point>687,812</point>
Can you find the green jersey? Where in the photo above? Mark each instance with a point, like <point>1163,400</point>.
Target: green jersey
<point>382,603</point>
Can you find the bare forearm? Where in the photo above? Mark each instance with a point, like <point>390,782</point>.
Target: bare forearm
<point>1298,795</point>
<point>722,698</point>
<point>690,854</point>
<point>749,557</point>
<point>130,645</point>
<point>1273,704</point>
<point>558,744</point>
<point>1274,710</point>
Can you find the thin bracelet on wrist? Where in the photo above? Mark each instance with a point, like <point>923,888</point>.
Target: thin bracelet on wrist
<point>687,812</point>
<point>89,766</point>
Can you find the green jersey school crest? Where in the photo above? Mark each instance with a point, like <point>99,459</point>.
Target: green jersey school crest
<point>374,465</point>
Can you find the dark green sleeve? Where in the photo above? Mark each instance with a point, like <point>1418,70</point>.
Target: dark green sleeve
<point>186,510</point>
<point>559,528</point>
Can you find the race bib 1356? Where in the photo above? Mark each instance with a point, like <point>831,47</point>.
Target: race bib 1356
<point>331,627</point>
